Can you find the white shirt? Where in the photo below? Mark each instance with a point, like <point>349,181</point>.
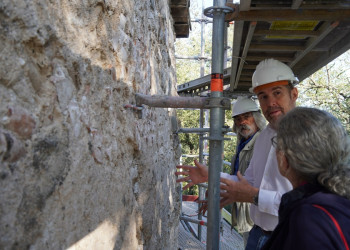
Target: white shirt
<point>263,173</point>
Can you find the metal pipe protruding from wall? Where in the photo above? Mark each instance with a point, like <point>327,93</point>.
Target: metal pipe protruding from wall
<point>196,102</point>
<point>138,108</point>
<point>170,101</point>
<point>135,108</point>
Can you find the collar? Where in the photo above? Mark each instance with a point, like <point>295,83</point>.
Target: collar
<point>296,195</point>
<point>245,141</point>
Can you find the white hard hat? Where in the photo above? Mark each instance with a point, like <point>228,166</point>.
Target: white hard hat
<point>243,105</point>
<point>271,70</point>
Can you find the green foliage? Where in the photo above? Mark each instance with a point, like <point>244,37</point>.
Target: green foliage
<point>229,146</point>
<point>189,141</point>
<point>329,89</point>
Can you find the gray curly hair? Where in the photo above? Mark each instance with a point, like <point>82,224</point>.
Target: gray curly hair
<point>317,147</point>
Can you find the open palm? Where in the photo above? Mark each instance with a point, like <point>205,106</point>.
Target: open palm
<point>192,174</point>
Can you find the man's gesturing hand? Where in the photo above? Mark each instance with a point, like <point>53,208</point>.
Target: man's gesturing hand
<point>192,174</point>
<point>240,191</point>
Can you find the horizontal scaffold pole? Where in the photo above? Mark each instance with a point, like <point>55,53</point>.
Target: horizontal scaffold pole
<point>165,101</point>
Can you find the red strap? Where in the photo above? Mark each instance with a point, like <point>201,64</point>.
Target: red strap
<point>335,223</point>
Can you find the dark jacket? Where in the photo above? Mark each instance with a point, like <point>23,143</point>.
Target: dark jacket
<point>303,226</point>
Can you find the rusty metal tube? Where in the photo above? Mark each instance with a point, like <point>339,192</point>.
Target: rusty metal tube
<point>170,101</point>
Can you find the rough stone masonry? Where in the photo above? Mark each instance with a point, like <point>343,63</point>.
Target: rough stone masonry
<point>77,169</point>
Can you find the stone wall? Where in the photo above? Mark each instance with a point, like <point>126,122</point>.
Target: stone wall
<point>77,169</point>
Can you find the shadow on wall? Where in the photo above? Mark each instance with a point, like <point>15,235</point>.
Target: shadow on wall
<point>77,169</point>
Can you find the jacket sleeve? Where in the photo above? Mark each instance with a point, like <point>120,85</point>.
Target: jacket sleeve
<point>311,228</point>
<point>249,174</point>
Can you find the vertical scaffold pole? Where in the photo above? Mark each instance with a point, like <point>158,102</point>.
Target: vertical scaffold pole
<point>216,123</point>
<point>201,191</point>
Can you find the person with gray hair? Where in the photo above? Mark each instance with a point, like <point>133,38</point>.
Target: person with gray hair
<point>246,106</point>
<point>248,123</point>
<point>313,153</point>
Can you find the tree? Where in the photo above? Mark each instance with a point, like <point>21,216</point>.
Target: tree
<point>329,89</point>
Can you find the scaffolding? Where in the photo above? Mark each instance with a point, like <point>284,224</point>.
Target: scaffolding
<point>216,103</point>
<point>250,24</point>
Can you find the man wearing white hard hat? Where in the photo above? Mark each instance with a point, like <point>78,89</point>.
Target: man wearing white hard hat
<point>263,185</point>
<point>248,123</point>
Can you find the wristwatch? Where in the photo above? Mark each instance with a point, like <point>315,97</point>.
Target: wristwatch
<point>256,199</point>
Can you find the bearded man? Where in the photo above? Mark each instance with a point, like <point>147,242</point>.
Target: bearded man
<point>248,122</point>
